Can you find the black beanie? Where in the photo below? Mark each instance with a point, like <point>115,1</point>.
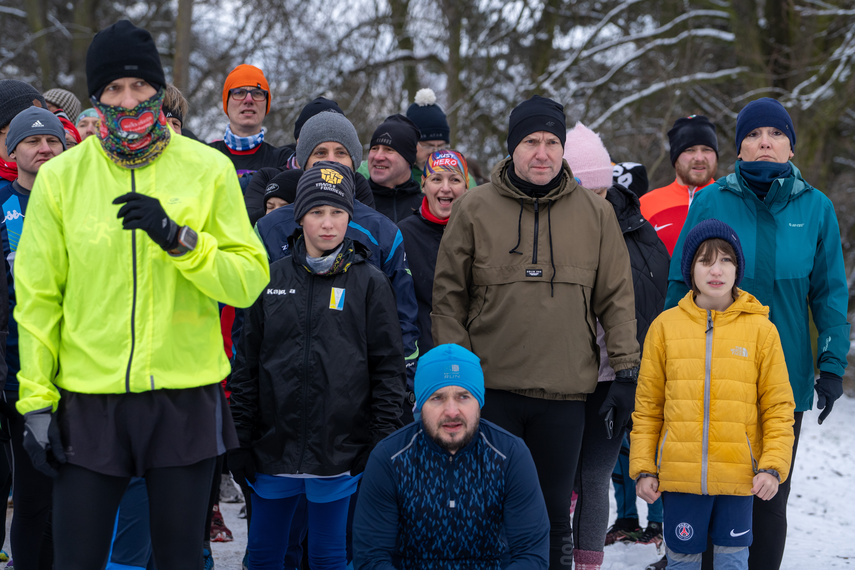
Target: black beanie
<point>690,131</point>
<point>632,176</point>
<point>533,115</point>
<point>428,117</point>
<point>399,133</point>
<point>122,50</point>
<point>326,183</point>
<point>283,185</point>
<point>15,96</point>
<point>312,108</point>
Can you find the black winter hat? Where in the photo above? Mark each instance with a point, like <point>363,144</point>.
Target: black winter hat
<point>710,229</point>
<point>283,185</point>
<point>533,115</point>
<point>631,175</point>
<point>690,131</point>
<point>326,183</point>
<point>15,96</point>
<point>122,50</point>
<point>428,117</point>
<point>399,133</point>
<point>312,108</point>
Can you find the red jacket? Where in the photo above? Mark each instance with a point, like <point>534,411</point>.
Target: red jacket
<point>666,209</point>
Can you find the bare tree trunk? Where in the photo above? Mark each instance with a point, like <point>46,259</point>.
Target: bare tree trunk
<point>40,41</point>
<point>84,20</point>
<point>400,20</point>
<point>181,64</point>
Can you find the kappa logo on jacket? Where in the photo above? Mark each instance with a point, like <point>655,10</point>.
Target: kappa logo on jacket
<point>337,298</point>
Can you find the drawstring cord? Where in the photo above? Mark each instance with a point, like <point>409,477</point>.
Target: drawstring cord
<point>519,230</point>
<point>551,256</point>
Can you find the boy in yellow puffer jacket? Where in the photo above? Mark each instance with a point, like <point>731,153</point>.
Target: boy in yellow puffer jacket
<point>713,420</point>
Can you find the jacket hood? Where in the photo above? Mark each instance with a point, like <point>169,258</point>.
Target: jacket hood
<point>744,303</point>
<point>627,208</point>
<point>499,178</point>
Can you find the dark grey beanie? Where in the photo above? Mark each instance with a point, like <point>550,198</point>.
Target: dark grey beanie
<point>325,184</point>
<point>33,121</point>
<point>328,126</point>
<point>15,96</point>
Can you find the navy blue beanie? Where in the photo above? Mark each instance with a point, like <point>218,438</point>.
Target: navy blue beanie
<point>534,115</point>
<point>448,365</point>
<point>710,229</point>
<point>765,112</point>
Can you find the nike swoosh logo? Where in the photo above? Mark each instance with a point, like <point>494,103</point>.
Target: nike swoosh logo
<point>735,534</point>
<point>657,228</point>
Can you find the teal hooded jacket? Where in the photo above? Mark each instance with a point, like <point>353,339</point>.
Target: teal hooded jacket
<point>793,264</point>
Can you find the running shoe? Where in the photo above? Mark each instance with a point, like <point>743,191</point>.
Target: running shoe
<point>207,559</point>
<point>219,531</point>
<point>624,530</point>
<point>658,565</point>
<point>4,556</point>
<point>651,535</point>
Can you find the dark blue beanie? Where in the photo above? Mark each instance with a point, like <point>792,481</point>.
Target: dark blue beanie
<point>765,112</point>
<point>448,365</point>
<point>710,229</point>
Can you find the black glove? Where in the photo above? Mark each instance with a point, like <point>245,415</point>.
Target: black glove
<point>242,465</point>
<point>829,387</point>
<point>141,212</point>
<point>43,442</point>
<point>620,401</point>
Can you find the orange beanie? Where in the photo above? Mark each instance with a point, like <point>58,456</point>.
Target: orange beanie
<point>244,75</point>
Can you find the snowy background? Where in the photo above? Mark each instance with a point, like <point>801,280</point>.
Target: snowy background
<point>821,508</point>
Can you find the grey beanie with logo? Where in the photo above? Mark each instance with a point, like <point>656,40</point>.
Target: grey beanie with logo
<point>33,121</point>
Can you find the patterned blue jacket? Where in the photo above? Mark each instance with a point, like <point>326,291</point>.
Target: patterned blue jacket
<point>421,507</point>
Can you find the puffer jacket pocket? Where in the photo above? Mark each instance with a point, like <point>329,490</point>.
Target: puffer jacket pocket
<point>661,451</point>
<point>751,453</point>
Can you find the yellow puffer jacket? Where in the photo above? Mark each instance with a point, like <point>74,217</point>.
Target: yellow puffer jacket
<point>714,403</point>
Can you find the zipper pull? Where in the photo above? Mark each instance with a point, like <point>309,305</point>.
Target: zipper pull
<point>709,321</point>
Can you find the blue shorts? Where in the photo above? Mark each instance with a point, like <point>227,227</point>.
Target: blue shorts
<point>689,518</point>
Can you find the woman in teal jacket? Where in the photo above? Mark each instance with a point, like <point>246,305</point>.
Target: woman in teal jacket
<point>794,264</point>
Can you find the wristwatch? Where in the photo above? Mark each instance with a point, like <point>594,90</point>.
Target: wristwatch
<point>186,241</point>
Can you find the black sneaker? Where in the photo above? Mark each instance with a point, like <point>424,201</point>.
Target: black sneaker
<point>658,565</point>
<point>624,530</point>
<point>652,534</point>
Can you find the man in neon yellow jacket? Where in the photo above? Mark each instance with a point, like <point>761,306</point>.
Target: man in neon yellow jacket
<point>128,247</point>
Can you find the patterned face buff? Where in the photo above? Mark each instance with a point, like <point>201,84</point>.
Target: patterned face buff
<point>133,138</point>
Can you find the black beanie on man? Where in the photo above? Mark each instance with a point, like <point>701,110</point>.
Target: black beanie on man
<point>399,133</point>
<point>15,96</point>
<point>326,183</point>
<point>691,131</point>
<point>533,115</point>
<point>312,108</point>
<point>122,50</point>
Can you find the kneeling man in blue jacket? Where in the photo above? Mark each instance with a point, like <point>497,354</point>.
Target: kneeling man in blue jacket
<point>450,489</point>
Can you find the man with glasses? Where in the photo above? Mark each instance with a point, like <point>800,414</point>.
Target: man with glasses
<point>246,101</point>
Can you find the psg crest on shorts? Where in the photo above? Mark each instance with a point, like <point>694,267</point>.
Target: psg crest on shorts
<point>684,531</point>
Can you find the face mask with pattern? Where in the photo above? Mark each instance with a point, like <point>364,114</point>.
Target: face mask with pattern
<point>133,138</point>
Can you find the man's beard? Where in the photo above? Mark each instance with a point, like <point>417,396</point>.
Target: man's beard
<point>457,443</point>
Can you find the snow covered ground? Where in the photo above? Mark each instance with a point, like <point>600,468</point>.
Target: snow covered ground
<point>821,511</point>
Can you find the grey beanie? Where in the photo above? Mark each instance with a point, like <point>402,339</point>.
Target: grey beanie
<point>15,96</point>
<point>328,126</point>
<point>33,121</point>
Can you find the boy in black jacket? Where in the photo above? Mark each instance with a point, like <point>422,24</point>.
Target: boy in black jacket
<point>319,377</point>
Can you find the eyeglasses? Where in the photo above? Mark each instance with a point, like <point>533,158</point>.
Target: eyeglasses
<point>239,94</point>
<point>433,147</point>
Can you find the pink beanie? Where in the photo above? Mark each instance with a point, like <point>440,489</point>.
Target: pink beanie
<point>588,158</point>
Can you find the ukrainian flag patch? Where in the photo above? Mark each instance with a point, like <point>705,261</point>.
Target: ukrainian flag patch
<point>337,299</point>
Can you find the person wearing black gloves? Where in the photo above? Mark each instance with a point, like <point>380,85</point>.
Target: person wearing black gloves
<point>319,377</point>
<point>794,265</point>
<point>128,246</point>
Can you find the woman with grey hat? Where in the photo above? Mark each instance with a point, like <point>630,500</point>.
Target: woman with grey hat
<point>793,264</point>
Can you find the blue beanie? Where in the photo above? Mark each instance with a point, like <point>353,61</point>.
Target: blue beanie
<point>765,112</point>
<point>448,365</point>
<point>710,229</point>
